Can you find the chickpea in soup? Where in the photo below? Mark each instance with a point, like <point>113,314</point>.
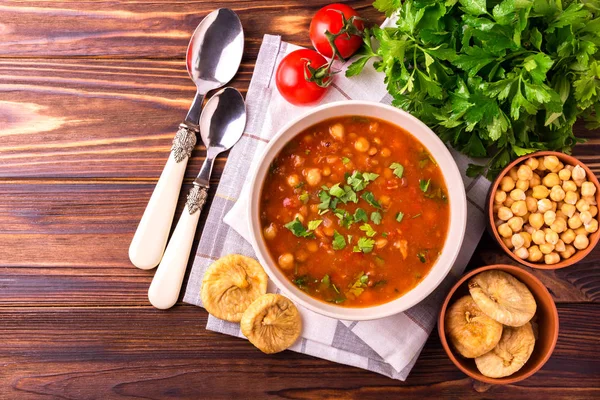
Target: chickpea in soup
<point>354,211</point>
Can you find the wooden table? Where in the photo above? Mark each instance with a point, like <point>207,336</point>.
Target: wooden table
<point>90,97</point>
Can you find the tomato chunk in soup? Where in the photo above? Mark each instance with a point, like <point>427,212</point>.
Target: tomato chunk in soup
<point>354,211</point>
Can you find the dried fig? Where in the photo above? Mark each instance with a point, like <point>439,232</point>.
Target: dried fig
<point>503,297</point>
<point>231,284</point>
<point>510,354</point>
<point>272,323</point>
<point>471,332</point>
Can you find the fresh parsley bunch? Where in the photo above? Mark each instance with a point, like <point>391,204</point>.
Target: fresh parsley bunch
<point>493,78</point>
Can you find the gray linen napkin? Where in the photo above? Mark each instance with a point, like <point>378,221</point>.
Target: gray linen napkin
<point>388,346</point>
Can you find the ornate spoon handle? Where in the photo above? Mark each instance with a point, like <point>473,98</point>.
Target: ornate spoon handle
<point>151,236</point>
<point>165,287</point>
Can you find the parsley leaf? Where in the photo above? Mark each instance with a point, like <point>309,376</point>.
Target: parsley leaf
<point>345,160</point>
<point>360,215</point>
<point>298,229</point>
<point>304,197</point>
<point>424,184</point>
<point>399,216</point>
<point>370,198</point>
<point>368,230</point>
<point>338,243</point>
<point>364,245</point>
<point>312,225</point>
<point>398,169</point>
<point>376,217</point>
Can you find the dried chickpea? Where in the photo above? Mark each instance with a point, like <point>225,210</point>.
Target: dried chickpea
<point>546,248</point>
<point>575,222</point>
<point>337,131</point>
<point>496,207</point>
<point>551,180</point>
<point>568,209</point>
<point>541,166</point>
<point>504,213</point>
<point>585,217</point>
<point>568,236</point>
<point>549,217</point>
<point>519,208</point>
<point>540,192</point>
<point>560,246</point>
<point>535,254</point>
<point>372,151</point>
<point>551,258</point>
<point>578,173</point>
<point>564,174</point>
<point>531,204</point>
<point>532,163</point>
<point>361,144</point>
<point>500,196</point>
<point>582,205</point>
<point>538,237</point>
<point>536,220</point>
<point>507,242</point>
<point>592,226</point>
<point>571,197</point>
<point>569,251</point>
<point>591,200</point>
<point>535,181</point>
<point>522,253</point>
<point>517,241</point>
<point>551,162</point>
<point>569,167</point>
<point>526,216</point>
<point>559,225</point>
<point>523,185</point>
<point>560,214</point>
<point>515,223</point>
<point>513,173</point>
<point>385,152</point>
<point>525,172</point>
<point>581,231</point>
<point>286,261</point>
<point>508,202</point>
<point>557,193</point>
<point>293,180</point>
<point>526,239</point>
<point>569,186</point>
<point>544,205</point>
<point>559,167</point>
<point>554,206</point>
<point>313,176</point>
<point>588,189</point>
<point>505,231</point>
<point>581,242</point>
<point>551,237</point>
<point>517,194</point>
<point>312,246</point>
<point>529,229</point>
<point>270,232</point>
<point>507,184</point>
<point>593,210</point>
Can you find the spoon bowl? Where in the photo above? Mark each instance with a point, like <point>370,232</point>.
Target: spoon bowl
<point>223,120</point>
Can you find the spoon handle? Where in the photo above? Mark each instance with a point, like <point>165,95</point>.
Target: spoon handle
<point>151,236</point>
<point>166,284</point>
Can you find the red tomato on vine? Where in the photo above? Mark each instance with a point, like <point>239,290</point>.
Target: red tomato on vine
<point>303,76</point>
<point>338,24</point>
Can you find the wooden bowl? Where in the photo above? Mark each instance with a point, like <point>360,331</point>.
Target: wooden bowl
<point>567,160</point>
<point>547,320</point>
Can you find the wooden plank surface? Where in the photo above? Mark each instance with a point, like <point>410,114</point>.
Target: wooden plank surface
<point>90,97</point>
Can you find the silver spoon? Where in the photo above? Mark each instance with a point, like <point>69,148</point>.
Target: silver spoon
<point>212,59</point>
<point>221,126</point>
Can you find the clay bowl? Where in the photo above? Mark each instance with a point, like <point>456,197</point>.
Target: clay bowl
<point>547,320</point>
<point>567,160</point>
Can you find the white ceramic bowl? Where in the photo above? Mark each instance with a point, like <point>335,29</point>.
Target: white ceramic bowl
<point>456,195</point>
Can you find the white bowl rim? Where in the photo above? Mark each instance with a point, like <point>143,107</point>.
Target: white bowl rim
<point>457,201</point>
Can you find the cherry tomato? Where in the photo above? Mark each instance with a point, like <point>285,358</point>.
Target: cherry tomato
<point>331,18</point>
<point>302,77</point>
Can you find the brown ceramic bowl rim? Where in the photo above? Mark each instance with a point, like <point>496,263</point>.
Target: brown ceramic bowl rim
<point>506,380</point>
<point>580,254</point>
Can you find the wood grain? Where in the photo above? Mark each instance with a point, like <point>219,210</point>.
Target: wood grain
<point>169,354</point>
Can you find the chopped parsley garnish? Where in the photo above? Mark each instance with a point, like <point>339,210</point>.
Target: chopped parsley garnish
<point>298,186</point>
<point>326,280</point>
<point>416,215</point>
<point>298,229</point>
<point>436,193</point>
<point>424,185</point>
<point>368,230</point>
<point>359,180</point>
<point>301,281</point>
<point>345,217</point>
<point>370,198</point>
<point>339,243</point>
<point>312,225</point>
<point>349,238</point>
<point>380,283</point>
<point>376,217</point>
<point>360,215</point>
<point>345,160</point>
<point>399,216</point>
<point>364,245</point>
<point>421,256</point>
<point>398,169</point>
<point>384,234</point>
<point>358,287</point>
<point>325,200</point>
<point>336,191</point>
<point>304,197</point>
<point>423,163</point>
